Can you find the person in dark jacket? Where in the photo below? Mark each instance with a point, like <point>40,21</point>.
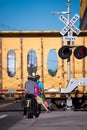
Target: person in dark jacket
<point>29,93</point>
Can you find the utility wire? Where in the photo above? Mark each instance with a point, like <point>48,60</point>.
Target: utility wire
<point>5,27</point>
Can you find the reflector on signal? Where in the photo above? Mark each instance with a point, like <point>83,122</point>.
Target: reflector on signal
<point>65,52</point>
<point>80,52</point>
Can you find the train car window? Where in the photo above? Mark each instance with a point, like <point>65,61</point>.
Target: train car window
<point>32,62</point>
<point>52,62</point>
<point>11,63</point>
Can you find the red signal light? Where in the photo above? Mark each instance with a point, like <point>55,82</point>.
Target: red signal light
<point>80,52</point>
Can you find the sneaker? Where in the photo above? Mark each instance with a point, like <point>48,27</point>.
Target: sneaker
<point>48,111</point>
<point>34,117</point>
<point>24,116</point>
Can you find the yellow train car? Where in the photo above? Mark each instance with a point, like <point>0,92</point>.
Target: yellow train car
<point>24,52</point>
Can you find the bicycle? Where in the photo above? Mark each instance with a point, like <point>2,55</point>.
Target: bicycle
<point>28,108</point>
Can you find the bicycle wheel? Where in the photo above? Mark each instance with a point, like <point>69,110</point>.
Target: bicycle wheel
<point>29,114</point>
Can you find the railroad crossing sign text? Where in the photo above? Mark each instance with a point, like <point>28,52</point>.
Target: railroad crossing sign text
<point>69,25</point>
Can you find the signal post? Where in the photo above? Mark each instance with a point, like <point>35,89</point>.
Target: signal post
<point>66,51</point>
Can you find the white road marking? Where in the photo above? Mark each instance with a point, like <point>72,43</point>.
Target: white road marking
<point>3,116</point>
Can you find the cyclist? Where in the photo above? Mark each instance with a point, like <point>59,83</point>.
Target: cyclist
<point>29,93</point>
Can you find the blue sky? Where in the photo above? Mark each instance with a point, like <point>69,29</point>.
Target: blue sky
<point>34,15</point>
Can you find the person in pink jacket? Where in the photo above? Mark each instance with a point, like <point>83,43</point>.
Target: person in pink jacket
<point>38,98</point>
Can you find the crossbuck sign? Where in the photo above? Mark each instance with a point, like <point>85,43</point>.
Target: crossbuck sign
<point>69,26</point>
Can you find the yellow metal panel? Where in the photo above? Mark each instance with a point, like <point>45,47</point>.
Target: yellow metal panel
<point>9,82</point>
<point>49,81</point>
<point>28,44</point>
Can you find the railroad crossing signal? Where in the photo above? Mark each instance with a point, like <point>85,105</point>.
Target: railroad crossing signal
<point>69,26</point>
<point>66,51</point>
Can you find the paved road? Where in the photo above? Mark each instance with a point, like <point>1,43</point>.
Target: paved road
<point>64,120</point>
<point>10,114</point>
<point>8,105</point>
<point>12,119</point>
<point>9,119</point>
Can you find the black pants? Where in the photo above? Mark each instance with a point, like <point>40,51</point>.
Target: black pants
<point>33,104</point>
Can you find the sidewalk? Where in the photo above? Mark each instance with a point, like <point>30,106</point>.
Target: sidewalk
<point>64,120</point>
<point>26,123</point>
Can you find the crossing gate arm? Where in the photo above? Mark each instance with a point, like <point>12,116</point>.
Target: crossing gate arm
<point>82,82</point>
<point>73,84</point>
